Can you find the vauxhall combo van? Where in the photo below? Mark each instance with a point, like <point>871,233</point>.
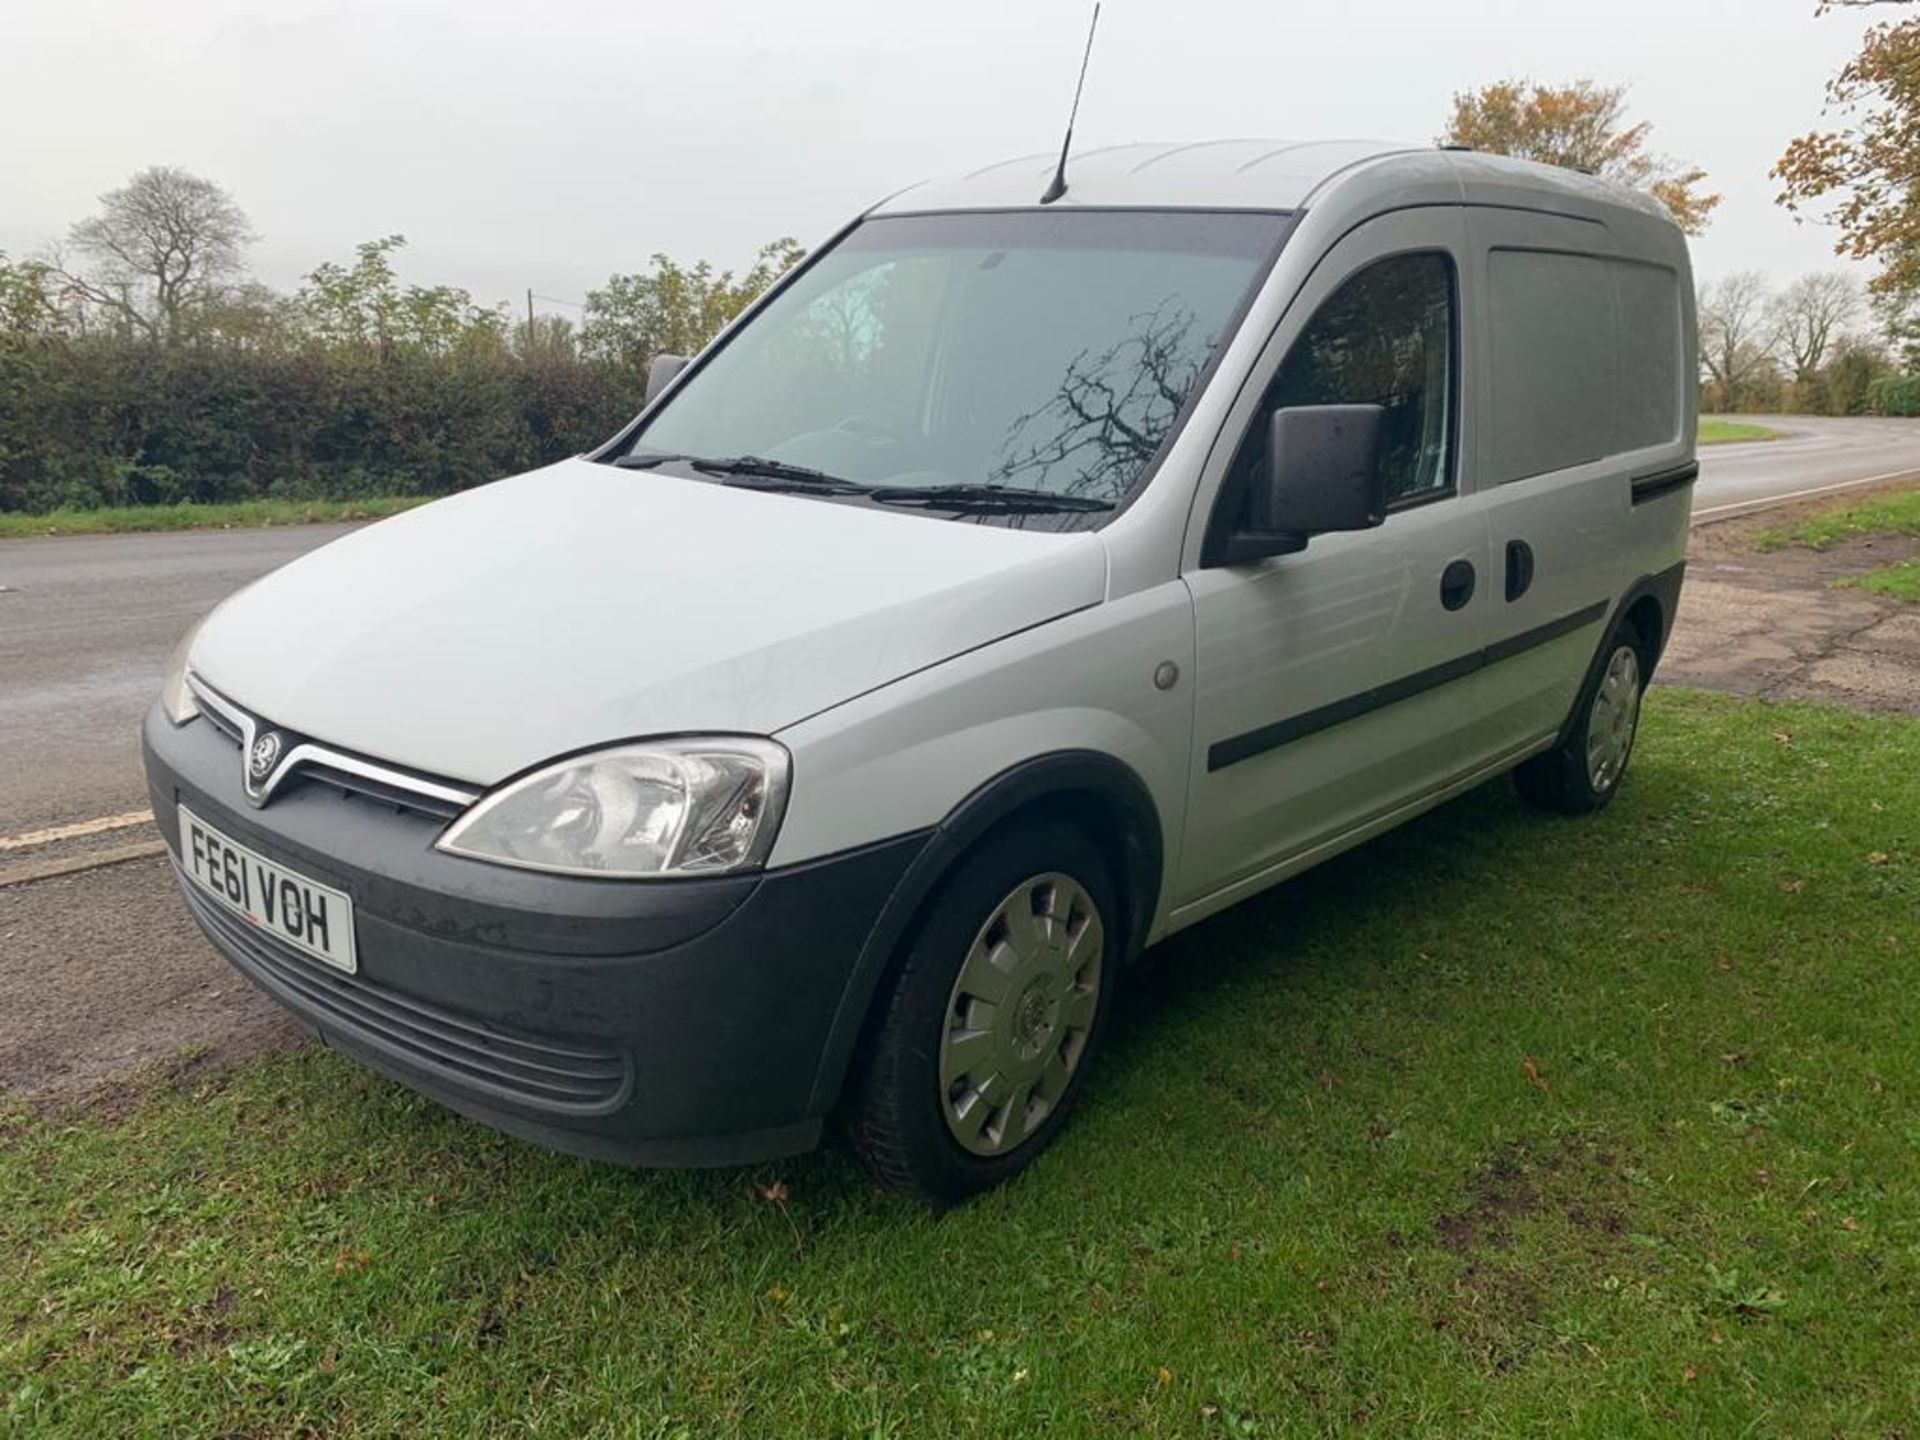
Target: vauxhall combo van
<point>1012,586</point>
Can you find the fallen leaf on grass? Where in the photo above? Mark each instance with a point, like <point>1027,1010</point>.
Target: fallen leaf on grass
<point>777,1196</point>
<point>1689,1374</point>
<point>1723,961</point>
<point>1879,857</point>
<point>1164,1375</point>
<point>1531,1068</point>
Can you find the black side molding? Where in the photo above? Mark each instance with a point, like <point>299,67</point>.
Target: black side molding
<point>1223,753</point>
<point>1664,482</point>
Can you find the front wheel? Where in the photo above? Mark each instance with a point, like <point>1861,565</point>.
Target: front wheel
<point>1581,774</point>
<point>994,1017</point>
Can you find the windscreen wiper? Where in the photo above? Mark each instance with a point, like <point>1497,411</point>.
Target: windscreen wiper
<point>997,499</point>
<point>754,472</point>
<point>760,473</point>
<point>648,460</point>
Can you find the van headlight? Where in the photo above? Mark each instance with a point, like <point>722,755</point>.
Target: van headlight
<point>176,696</point>
<point>696,806</point>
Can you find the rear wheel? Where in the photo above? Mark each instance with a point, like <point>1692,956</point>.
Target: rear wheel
<point>1582,773</point>
<point>993,1018</point>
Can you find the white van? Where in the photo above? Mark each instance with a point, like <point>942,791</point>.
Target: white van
<point>1011,587</point>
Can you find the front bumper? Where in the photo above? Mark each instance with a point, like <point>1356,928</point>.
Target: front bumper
<point>682,1022</point>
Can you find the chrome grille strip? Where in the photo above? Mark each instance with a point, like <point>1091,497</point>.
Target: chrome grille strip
<point>316,758</point>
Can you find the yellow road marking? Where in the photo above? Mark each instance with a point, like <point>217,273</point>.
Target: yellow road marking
<point>76,831</point>
<point>47,869</point>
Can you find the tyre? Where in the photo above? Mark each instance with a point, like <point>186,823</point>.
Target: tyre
<point>994,1015</point>
<point>1582,772</point>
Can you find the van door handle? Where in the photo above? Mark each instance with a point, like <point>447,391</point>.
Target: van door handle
<point>1456,584</point>
<point>1519,568</point>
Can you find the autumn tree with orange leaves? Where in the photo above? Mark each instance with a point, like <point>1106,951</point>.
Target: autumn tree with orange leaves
<point>1863,175</point>
<point>1582,126</point>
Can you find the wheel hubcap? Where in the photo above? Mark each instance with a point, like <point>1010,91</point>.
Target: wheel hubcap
<point>1021,1011</point>
<point>1613,719</point>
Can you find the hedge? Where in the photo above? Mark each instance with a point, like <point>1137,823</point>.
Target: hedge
<point>1895,395</point>
<point>96,421</point>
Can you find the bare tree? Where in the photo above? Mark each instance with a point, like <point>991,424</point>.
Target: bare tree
<point>1809,316</point>
<point>1733,331</point>
<point>163,245</point>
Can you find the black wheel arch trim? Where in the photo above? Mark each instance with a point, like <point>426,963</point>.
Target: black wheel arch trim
<point>1052,776</point>
<point>1663,588</point>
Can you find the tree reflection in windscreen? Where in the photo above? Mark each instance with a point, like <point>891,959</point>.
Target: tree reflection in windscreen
<point>1096,433</point>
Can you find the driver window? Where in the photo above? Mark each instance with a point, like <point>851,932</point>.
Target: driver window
<point>1385,338</point>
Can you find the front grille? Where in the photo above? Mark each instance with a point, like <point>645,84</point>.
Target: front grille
<point>349,785</point>
<point>466,1054</point>
<point>343,771</point>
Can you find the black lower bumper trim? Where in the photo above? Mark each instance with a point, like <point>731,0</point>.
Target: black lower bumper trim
<point>662,1023</point>
<point>516,1069</point>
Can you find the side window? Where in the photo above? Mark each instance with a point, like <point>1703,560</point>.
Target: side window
<point>1385,338</point>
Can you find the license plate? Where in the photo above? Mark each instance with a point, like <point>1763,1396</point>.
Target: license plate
<point>304,913</point>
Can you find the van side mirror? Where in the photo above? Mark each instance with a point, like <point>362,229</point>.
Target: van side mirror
<point>661,372</point>
<point>1323,474</point>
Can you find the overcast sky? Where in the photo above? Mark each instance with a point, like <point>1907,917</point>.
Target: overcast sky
<point>550,144</point>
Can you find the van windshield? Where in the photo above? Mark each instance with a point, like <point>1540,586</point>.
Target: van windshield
<point>1033,351</point>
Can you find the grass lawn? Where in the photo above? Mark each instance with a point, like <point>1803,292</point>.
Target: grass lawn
<point>1501,1125</point>
<point>1901,581</point>
<point>1730,432</point>
<point>125,518</point>
<point>1897,514</point>
<point>1890,515</point>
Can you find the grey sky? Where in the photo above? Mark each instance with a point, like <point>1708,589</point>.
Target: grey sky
<point>550,144</point>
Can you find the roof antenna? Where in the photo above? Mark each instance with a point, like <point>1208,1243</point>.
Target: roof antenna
<point>1059,185</point>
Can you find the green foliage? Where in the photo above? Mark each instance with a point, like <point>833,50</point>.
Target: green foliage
<point>1847,384</point>
<point>1501,1125</point>
<point>363,308</point>
<point>1894,395</point>
<point>357,385</point>
<point>673,309</point>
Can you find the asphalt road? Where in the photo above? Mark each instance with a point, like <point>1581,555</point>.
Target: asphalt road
<point>86,626</point>
<point>1813,455</point>
<point>87,623</point>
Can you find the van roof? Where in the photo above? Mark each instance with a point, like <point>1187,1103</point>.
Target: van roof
<point>1241,175</point>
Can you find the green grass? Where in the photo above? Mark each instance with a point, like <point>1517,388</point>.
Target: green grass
<point>1887,515</point>
<point>1901,582</point>
<point>1731,432</point>
<point>1501,1125</point>
<point>126,518</point>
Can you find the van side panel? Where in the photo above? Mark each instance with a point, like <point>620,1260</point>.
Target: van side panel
<point>1588,353</point>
